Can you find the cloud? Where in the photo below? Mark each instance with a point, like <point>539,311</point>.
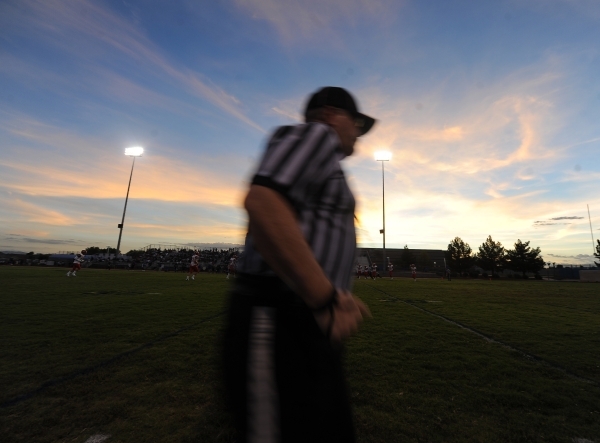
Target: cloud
<point>489,132</point>
<point>288,114</point>
<point>46,241</point>
<point>553,220</point>
<point>577,259</point>
<point>63,169</point>
<point>95,28</point>
<point>308,21</point>
<point>36,213</point>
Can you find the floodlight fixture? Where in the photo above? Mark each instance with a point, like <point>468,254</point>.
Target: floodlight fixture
<point>383,156</point>
<point>135,151</point>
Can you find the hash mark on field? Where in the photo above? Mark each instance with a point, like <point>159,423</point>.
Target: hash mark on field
<point>492,340</point>
<point>98,438</point>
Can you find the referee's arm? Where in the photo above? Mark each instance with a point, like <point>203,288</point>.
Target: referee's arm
<point>280,242</point>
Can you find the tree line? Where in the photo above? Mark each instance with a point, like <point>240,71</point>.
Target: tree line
<point>492,256</point>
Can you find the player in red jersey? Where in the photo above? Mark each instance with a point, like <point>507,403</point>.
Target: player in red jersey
<point>232,266</point>
<point>79,258</point>
<point>193,266</point>
<point>413,272</point>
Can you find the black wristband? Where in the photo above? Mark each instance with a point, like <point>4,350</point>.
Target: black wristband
<point>328,306</point>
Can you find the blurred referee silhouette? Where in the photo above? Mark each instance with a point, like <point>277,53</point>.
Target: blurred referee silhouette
<point>291,306</point>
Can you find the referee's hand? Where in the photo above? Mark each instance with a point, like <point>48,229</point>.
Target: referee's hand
<point>348,313</point>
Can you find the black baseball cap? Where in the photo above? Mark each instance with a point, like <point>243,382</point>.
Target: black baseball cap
<point>339,98</point>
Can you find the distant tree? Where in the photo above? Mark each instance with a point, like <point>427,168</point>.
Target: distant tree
<point>93,250</point>
<point>135,253</point>
<point>459,255</point>
<point>597,253</point>
<point>524,259</point>
<point>491,255</point>
<point>423,261</point>
<point>406,259</point>
<point>30,254</point>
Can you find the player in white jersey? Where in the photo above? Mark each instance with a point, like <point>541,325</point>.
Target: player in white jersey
<point>193,266</point>
<point>79,258</point>
<point>413,271</point>
<point>232,266</point>
<point>391,270</point>
<point>358,271</point>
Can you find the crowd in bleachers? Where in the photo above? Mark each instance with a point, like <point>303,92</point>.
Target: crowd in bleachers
<point>151,259</point>
<point>211,260</point>
<point>154,259</point>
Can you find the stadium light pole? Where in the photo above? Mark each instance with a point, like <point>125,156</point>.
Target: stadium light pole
<point>131,152</point>
<point>383,156</point>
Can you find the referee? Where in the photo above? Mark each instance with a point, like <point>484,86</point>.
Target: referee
<point>291,305</point>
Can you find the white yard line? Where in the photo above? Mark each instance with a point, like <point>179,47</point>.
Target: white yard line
<point>505,345</point>
<point>98,438</point>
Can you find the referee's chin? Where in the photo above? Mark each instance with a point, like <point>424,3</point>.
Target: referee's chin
<point>347,150</point>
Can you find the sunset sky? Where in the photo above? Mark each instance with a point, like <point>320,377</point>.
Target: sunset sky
<point>491,111</point>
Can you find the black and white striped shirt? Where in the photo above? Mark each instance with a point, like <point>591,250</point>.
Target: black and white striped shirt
<point>302,163</point>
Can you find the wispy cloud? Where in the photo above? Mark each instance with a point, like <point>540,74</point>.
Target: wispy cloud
<point>63,169</point>
<point>288,114</point>
<point>307,21</point>
<point>579,258</point>
<point>16,238</point>
<point>554,220</point>
<point>36,213</point>
<point>96,28</point>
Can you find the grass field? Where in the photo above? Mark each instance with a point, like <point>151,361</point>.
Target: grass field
<point>133,356</point>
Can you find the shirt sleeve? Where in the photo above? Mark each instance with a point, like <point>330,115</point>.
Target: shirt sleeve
<point>298,159</point>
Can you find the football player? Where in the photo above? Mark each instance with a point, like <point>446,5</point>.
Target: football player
<point>79,258</point>
<point>193,266</point>
<point>231,267</point>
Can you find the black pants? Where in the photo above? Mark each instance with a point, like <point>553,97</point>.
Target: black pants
<point>283,378</point>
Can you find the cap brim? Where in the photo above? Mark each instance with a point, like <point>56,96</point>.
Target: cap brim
<point>366,122</point>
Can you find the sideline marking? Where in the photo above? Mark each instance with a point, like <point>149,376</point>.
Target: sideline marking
<point>98,438</point>
<point>492,340</point>
<point>85,371</point>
